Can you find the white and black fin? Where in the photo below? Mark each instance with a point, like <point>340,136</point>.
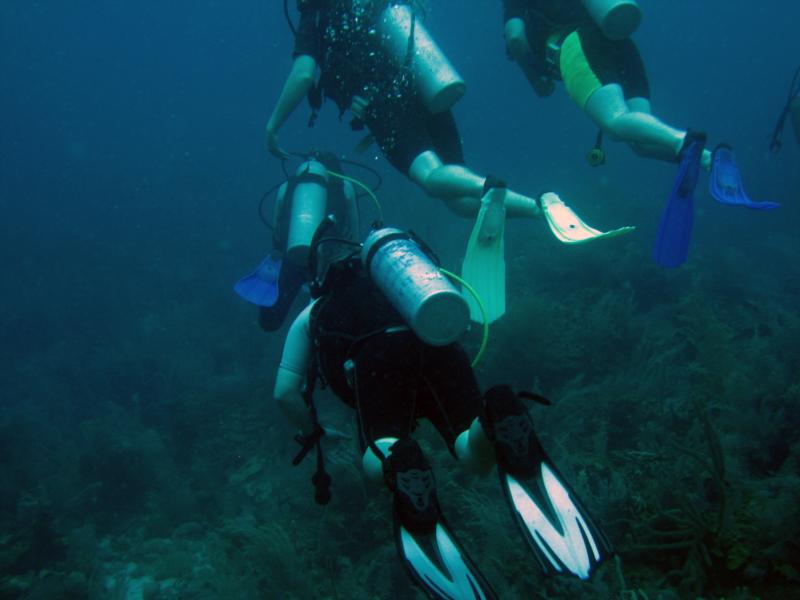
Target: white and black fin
<point>555,524</point>
<point>430,552</point>
<point>438,564</point>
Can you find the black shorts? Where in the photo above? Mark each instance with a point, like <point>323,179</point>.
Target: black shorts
<point>404,129</point>
<point>399,380</point>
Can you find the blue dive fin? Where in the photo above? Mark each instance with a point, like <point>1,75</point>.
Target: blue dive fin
<point>261,286</point>
<point>726,184</point>
<point>438,564</point>
<point>675,230</point>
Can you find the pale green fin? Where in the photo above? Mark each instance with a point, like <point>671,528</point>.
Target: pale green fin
<point>484,266</point>
<point>568,227</point>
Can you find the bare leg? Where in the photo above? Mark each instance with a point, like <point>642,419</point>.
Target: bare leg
<point>642,105</point>
<point>462,189</point>
<point>608,109</point>
<point>474,449</point>
<point>372,465</point>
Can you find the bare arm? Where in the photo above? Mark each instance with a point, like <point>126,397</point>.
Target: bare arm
<point>297,85</point>
<point>291,377</point>
<point>520,51</point>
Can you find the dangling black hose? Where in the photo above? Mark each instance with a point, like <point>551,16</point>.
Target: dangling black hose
<point>288,18</point>
<point>321,480</point>
<point>305,156</point>
<point>776,141</point>
<point>370,170</point>
<point>596,156</point>
<point>266,194</point>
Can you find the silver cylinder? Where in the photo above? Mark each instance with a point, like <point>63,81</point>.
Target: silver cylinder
<point>431,305</point>
<point>353,222</point>
<point>436,79</point>
<point>617,19</point>
<point>279,199</point>
<point>309,202</point>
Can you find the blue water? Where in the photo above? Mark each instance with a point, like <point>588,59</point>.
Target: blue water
<point>136,385</point>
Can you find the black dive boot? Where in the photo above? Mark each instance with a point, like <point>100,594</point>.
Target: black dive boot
<point>408,474</point>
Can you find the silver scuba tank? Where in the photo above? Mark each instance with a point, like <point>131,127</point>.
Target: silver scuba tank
<point>279,200</point>
<point>617,19</point>
<point>431,305</point>
<point>350,216</point>
<point>309,202</point>
<point>437,81</point>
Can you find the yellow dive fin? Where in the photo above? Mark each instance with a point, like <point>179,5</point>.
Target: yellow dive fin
<point>484,266</point>
<point>567,226</point>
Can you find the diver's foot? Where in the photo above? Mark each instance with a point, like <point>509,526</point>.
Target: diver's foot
<point>691,137</point>
<point>706,160</point>
<point>509,426</point>
<point>409,476</point>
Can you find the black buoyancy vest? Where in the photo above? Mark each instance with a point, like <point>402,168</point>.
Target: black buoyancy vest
<point>352,311</point>
<point>352,58</point>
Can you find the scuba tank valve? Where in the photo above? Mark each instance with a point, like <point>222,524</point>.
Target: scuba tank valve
<point>617,19</point>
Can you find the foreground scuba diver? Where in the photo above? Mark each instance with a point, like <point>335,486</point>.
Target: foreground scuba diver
<point>378,61</point>
<point>318,188</point>
<point>587,45</point>
<point>381,332</point>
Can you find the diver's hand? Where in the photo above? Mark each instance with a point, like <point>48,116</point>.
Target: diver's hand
<point>332,439</point>
<point>358,106</point>
<point>543,86</point>
<point>273,146</point>
<point>335,434</point>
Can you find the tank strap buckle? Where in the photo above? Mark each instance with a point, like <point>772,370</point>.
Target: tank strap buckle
<point>552,49</point>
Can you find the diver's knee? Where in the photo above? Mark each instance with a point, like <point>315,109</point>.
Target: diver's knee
<point>474,450</point>
<point>372,463</point>
<point>423,166</point>
<point>640,104</point>
<point>605,106</point>
<point>515,37</point>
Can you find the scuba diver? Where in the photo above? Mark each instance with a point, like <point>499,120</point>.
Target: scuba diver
<point>791,107</point>
<point>378,61</point>
<point>381,331</point>
<point>587,45</point>
<point>317,189</point>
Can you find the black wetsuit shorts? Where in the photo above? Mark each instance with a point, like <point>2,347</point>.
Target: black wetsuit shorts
<point>404,129</point>
<point>399,380</point>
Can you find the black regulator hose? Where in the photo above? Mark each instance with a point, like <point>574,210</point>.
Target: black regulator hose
<point>776,140</point>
